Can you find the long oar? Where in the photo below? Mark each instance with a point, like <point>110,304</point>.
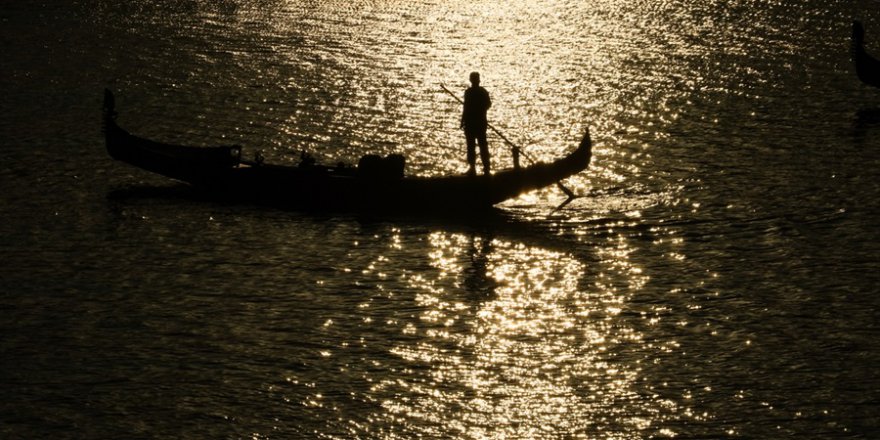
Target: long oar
<point>571,195</point>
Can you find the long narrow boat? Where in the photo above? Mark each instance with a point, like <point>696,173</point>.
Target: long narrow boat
<point>222,172</point>
<point>867,67</point>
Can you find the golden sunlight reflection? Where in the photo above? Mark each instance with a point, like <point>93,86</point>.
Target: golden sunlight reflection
<point>510,343</point>
<point>343,79</point>
<point>552,70</point>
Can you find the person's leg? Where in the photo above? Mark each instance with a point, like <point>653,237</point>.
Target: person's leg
<point>484,153</point>
<point>471,153</point>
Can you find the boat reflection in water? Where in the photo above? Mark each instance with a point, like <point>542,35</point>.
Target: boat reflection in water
<point>507,341</point>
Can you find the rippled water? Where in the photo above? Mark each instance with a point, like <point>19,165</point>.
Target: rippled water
<point>718,279</point>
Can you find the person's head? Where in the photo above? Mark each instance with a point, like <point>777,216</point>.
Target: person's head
<point>475,78</point>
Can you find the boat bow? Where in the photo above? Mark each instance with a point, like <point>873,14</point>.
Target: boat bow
<point>867,67</point>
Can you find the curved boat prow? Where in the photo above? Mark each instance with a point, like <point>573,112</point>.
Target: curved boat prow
<point>858,34</point>
<point>109,109</point>
<point>867,67</point>
<point>109,103</point>
<point>579,159</point>
<point>196,165</point>
<point>585,149</point>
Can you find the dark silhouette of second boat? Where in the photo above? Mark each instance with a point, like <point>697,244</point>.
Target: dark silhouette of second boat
<point>867,67</point>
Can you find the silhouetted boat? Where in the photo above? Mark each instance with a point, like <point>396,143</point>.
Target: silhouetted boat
<point>867,67</point>
<point>221,171</point>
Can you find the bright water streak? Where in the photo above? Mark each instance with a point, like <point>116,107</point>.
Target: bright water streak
<point>718,281</point>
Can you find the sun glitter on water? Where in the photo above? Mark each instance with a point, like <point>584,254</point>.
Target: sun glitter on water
<point>510,343</point>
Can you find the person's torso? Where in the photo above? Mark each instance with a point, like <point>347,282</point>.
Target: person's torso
<point>476,103</point>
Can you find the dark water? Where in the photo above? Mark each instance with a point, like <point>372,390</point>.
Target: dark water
<point>720,279</point>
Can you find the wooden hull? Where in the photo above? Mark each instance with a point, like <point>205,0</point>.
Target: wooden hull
<point>219,170</point>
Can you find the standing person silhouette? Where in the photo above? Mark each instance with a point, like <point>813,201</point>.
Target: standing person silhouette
<point>474,123</point>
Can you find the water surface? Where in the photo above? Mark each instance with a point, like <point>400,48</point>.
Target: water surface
<point>718,279</point>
